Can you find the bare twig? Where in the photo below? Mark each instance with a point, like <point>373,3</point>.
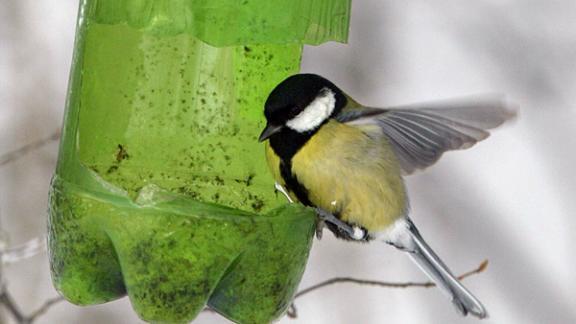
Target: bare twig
<point>24,251</point>
<point>293,313</point>
<point>12,255</point>
<point>44,308</point>
<point>8,302</point>
<point>19,152</point>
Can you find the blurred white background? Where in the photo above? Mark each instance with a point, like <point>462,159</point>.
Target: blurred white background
<point>509,199</point>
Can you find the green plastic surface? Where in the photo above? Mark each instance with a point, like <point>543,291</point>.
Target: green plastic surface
<point>161,190</point>
<point>177,255</point>
<point>233,22</point>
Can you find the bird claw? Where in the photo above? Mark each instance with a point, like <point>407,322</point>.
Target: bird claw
<point>319,228</point>
<point>346,230</point>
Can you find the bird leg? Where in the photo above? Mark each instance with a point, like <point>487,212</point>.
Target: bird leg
<point>345,230</point>
<point>320,224</point>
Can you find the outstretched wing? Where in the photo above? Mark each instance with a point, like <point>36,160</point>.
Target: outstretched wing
<point>419,134</point>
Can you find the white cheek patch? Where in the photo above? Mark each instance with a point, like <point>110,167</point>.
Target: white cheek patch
<point>315,114</point>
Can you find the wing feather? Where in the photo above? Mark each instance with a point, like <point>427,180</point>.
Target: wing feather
<point>419,134</point>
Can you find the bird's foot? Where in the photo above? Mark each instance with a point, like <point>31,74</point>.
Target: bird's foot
<point>340,228</point>
<point>320,224</point>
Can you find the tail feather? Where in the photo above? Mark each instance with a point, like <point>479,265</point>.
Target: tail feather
<point>431,264</point>
<point>407,238</point>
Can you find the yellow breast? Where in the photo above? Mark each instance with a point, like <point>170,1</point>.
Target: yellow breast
<point>349,173</point>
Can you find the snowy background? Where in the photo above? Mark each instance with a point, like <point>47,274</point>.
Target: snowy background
<point>509,199</point>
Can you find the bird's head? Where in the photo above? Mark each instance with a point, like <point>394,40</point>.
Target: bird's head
<point>301,103</point>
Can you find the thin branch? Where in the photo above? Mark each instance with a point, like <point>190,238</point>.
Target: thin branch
<point>19,152</point>
<point>8,302</point>
<point>44,308</point>
<point>427,284</point>
<point>293,313</point>
<point>24,251</point>
<point>15,254</point>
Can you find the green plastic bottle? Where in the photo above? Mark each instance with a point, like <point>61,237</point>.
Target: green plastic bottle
<point>161,191</point>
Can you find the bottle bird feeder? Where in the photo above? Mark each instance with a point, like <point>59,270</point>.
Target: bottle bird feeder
<point>161,192</point>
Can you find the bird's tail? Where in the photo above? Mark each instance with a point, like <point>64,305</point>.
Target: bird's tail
<point>438,272</point>
<point>404,235</point>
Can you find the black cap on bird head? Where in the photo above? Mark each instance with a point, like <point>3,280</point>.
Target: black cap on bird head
<point>297,95</point>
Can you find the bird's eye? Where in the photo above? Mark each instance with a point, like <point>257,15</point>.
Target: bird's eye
<point>294,110</point>
<point>287,113</point>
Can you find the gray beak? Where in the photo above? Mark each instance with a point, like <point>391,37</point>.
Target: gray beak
<point>269,131</point>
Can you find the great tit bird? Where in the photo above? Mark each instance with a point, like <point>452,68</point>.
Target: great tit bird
<point>327,151</point>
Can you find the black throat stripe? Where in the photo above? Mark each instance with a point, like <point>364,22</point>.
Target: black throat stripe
<point>292,183</point>
<point>286,144</point>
